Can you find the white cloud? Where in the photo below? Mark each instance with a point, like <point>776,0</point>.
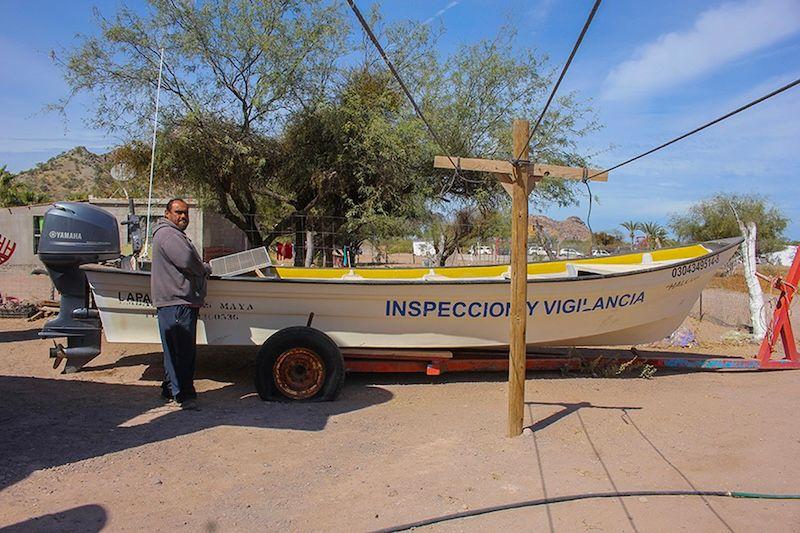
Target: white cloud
<point>718,36</point>
<point>540,11</point>
<point>450,5</point>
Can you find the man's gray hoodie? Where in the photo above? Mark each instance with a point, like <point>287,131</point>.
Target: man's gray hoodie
<point>178,275</point>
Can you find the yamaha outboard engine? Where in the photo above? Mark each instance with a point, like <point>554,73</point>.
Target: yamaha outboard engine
<point>75,234</point>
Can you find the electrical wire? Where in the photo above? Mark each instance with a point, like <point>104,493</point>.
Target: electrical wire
<point>700,128</point>
<point>561,77</point>
<point>587,496</point>
<point>585,181</point>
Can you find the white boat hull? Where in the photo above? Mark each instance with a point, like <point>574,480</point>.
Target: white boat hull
<point>624,308</point>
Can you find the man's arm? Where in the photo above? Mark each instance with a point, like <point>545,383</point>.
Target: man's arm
<point>182,254</point>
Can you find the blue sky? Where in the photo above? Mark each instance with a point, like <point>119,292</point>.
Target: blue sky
<point>652,69</point>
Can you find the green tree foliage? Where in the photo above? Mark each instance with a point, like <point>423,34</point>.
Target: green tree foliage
<point>13,194</point>
<point>360,158</point>
<point>230,168</point>
<point>472,98</point>
<point>714,218</point>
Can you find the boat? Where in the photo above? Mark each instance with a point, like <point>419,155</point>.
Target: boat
<point>615,300</point>
<point>305,318</point>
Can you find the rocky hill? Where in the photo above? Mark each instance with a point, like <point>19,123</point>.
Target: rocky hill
<point>571,229</point>
<point>72,174</point>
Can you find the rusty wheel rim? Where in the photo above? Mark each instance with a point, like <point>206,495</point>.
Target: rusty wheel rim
<point>299,373</point>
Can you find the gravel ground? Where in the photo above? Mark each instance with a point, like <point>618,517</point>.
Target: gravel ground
<point>97,449</point>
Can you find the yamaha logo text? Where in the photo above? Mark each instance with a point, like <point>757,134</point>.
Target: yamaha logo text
<point>73,235</point>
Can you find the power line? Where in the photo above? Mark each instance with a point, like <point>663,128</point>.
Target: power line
<point>396,75</point>
<point>563,73</point>
<point>700,128</point>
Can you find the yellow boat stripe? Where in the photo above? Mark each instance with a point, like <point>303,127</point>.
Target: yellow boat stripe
<point>490,271</point>
<point>392,273</point>
<point>687,252</point>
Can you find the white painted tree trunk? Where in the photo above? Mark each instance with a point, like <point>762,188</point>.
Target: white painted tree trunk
<point>440,251</point>
<point>309,248</point>
<point>748,230</point>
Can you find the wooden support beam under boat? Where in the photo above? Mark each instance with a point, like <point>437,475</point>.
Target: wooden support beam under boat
<point>408,353</point>
<point>498,166</point>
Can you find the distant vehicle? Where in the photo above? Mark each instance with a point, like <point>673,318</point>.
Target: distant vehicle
<point>569,253</point>
<point>480,250</point>
<point>423,248</point>
<point>600,253</point>
<point>537,250</point>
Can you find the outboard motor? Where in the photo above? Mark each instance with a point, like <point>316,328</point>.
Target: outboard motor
<point>75,234</point>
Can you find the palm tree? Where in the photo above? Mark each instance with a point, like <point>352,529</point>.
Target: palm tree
<point>656,233</point>
<point>632,227</point>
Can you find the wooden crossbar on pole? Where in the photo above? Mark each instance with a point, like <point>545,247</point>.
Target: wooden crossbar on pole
<point>498,166</point>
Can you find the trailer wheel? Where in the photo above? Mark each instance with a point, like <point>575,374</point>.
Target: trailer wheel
<point>299,363</point>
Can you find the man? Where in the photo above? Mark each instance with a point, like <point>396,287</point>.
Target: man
<point>178,290</point>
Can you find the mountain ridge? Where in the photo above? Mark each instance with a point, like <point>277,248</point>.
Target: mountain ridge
<point>70,174</point>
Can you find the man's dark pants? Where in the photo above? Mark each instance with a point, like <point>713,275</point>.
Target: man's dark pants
<point>178,327</point>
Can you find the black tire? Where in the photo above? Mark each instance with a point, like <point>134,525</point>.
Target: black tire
<point>299,364</point>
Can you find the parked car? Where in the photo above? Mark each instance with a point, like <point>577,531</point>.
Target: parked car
<point>481,250</point>
<point>569,253</point>
<point>537,250</point>
<point>598,252</point>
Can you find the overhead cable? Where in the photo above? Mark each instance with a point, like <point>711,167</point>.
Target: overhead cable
<point>700,128</point>
<point>561,77</point>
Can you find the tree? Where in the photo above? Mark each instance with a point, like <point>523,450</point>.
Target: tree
<point>258,71</point>
<point>656,234</point>
<point>472,97</point>
<point>451,232</point>
<point>228,167</point>
<point>359,162</point>
<point>608,239</point>
<point>13,194</point>
<point>730,215</point>
<point>714,218</point>
<point>632,227</point>
<point>232,68</point>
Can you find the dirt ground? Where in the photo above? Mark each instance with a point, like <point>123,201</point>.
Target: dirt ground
<point>97,449</point>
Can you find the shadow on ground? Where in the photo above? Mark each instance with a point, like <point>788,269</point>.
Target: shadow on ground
<point>86,518</point>
<point>21,335</point>
<point>52,422</point>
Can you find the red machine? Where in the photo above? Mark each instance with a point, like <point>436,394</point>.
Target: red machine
<point>780,325</point>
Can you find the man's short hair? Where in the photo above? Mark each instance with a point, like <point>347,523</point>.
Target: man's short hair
<point>172,201</point>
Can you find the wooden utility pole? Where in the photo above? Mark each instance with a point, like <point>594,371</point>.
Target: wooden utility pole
<point>518,179</point>
<point>520,190</point>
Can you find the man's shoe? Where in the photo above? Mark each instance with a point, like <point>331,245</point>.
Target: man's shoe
<point>166,393</point>
<point>189,404</point>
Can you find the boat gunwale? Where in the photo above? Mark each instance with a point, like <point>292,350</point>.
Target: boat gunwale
<point>721,245</point>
